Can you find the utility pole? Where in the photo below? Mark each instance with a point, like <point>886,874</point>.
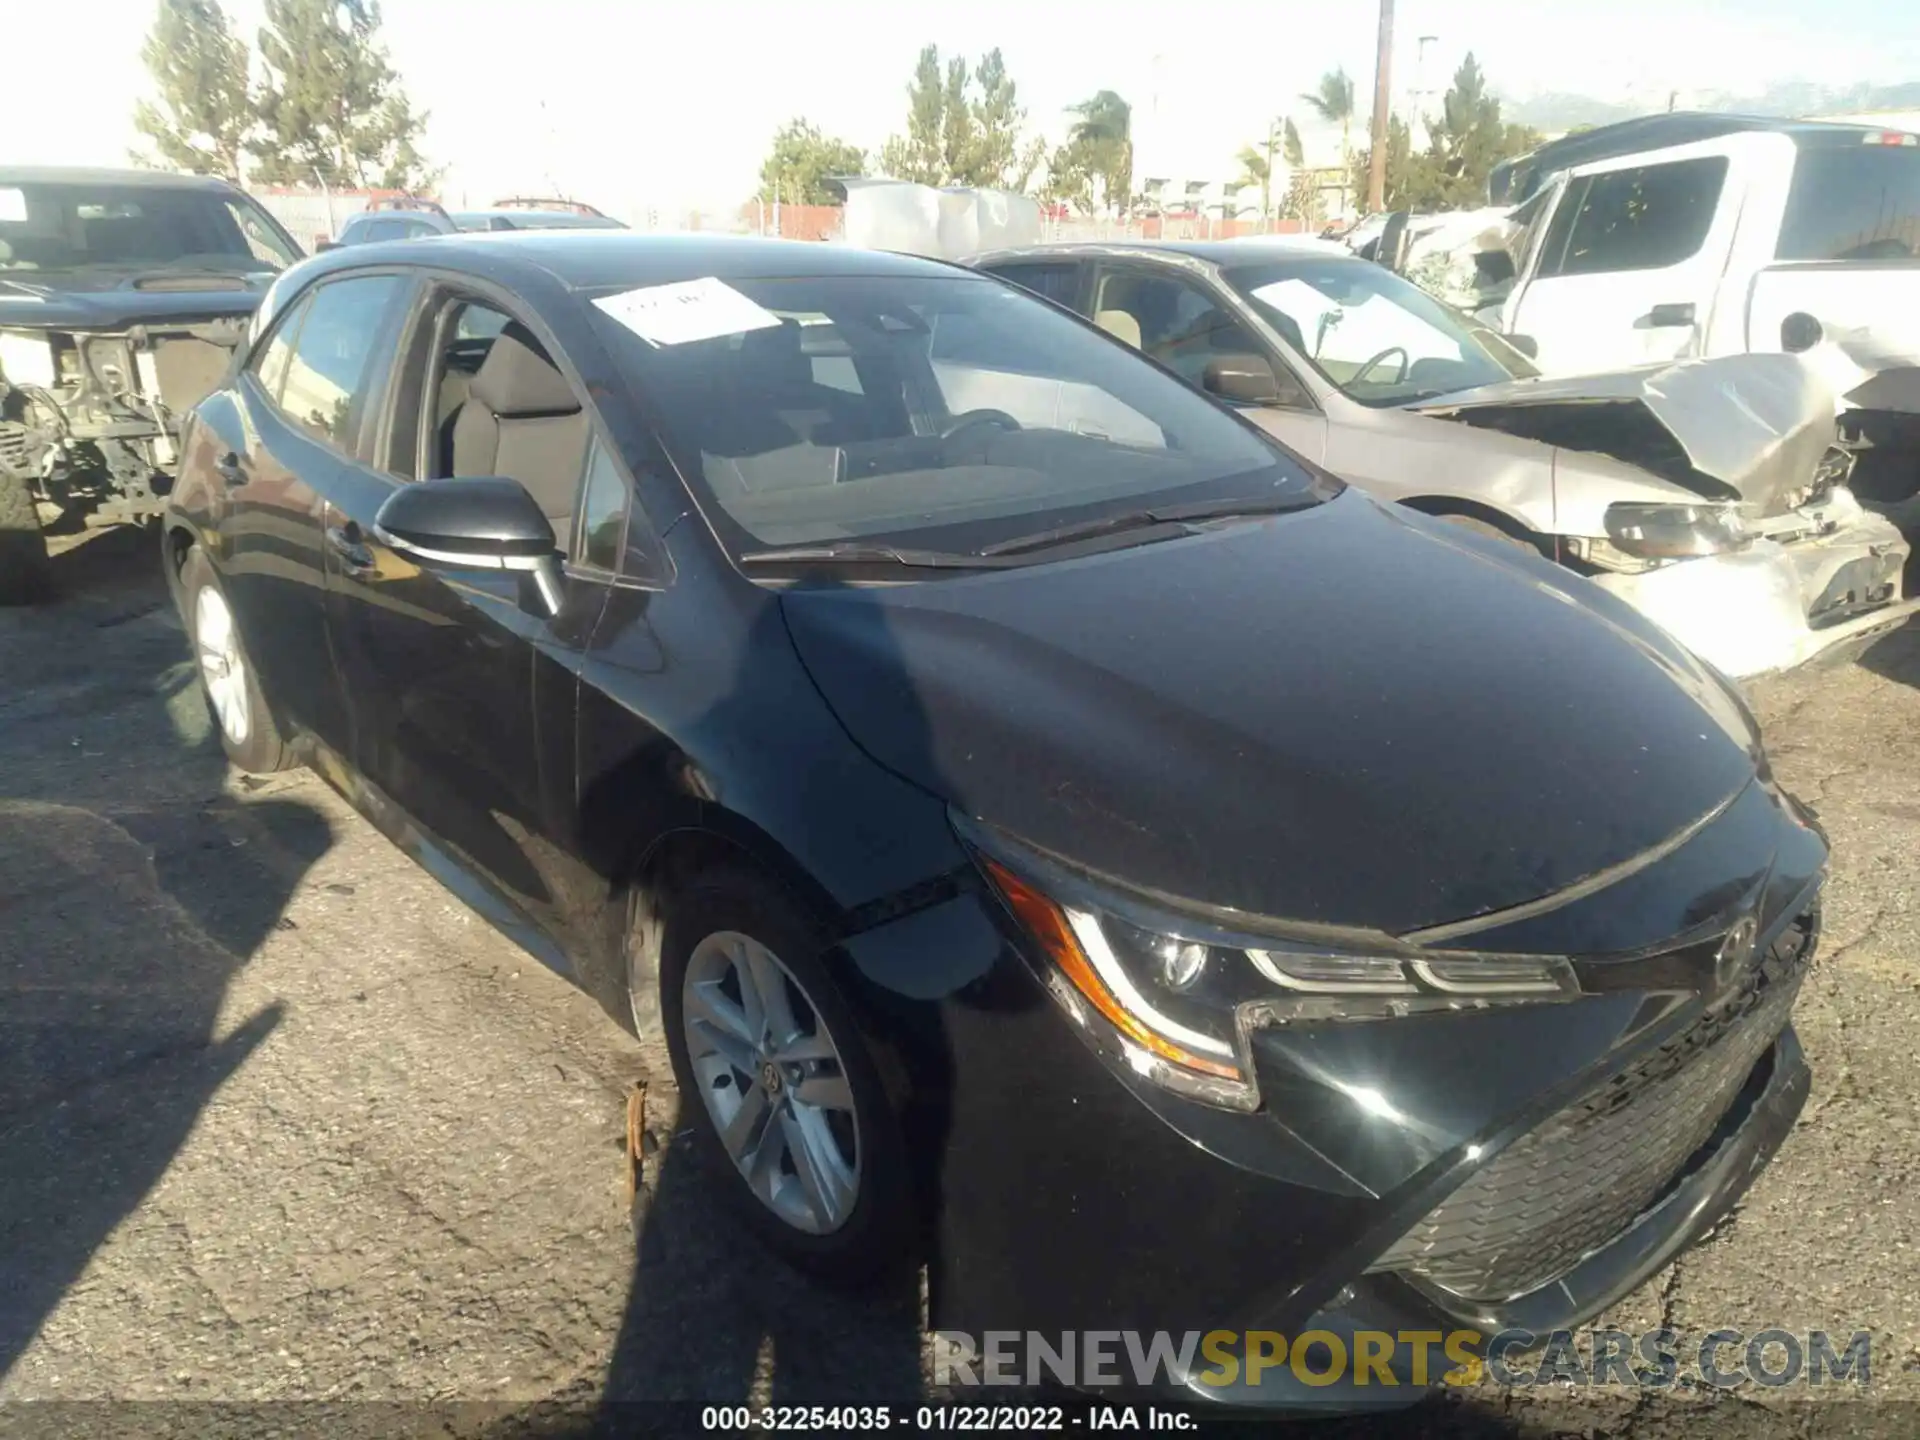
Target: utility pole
<point>1382,112</point>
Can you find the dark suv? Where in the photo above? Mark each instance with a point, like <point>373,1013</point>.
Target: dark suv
<point>122,296</point>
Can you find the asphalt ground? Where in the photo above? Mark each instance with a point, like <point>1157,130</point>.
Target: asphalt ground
<point>287,1131</point>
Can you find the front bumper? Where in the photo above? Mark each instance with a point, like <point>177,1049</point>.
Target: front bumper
<point>1390,1305</point>
<point>1071,1196</point>
<point>1777,605</point>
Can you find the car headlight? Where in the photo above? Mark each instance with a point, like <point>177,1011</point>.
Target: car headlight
<point>1178,997</point>
<point>1675,532</point>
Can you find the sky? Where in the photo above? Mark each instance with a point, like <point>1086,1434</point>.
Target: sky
<point>637,103</point>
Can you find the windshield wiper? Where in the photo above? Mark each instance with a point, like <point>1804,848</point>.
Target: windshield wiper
<point>854,552</point>
<point>1147,519</point>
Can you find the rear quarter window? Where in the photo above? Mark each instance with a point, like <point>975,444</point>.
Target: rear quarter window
<point>1859,202</point>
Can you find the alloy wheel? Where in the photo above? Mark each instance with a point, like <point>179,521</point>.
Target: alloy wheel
<point>773,1081</point>
<point>223,666</point>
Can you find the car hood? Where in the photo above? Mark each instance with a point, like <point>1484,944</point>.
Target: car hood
<point>1346,715</point>
<point>1739,427</point>
<point>103,300</point>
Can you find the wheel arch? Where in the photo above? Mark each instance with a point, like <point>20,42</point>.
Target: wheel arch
<point>672,862</point>
<point>1438,505</point>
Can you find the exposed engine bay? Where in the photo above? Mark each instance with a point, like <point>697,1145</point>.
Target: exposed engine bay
<point>92,419</point>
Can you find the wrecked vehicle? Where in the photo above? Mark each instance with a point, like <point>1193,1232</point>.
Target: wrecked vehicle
<point>1058,836</point>
<point>123,295</point>
<point>1709,494</point>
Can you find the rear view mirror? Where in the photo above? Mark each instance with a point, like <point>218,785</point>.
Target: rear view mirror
<point>487,524</point>
<point>1244,379</point>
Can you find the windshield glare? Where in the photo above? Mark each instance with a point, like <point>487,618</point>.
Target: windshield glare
<point>935,412</point>
<point>1381,340</point>
<point>79,227</point>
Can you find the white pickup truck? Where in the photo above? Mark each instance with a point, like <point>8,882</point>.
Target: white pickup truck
<point>1777,235</point>
<point>1710,248</point>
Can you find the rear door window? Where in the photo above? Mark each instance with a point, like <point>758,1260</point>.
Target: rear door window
<point>343,342</point>
<point>1646,217</point>
<point>1173,319</point>
<point>1057,280</point>
<point>1859,202</point>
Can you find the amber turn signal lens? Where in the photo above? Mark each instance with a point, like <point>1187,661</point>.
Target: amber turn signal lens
<point>1049,925</point>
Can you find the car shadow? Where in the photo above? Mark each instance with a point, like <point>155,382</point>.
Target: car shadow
<point>1896,657</point>
<point>134,885</point>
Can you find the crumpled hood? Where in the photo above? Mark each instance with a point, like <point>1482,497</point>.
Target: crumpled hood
<point>1349,715</point>
<point>1746,427</point>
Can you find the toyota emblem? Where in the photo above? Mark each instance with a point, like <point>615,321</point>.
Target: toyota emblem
<point>1735,950</point>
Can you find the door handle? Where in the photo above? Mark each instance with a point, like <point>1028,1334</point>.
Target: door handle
<point>230,468</point>
<point>1665,315</point>
<point>355,558</point>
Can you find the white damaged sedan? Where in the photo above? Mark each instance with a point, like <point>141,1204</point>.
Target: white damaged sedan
<point>1709,494</point>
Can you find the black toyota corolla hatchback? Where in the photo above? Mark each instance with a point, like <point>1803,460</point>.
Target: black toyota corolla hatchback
<point>1063,837</point>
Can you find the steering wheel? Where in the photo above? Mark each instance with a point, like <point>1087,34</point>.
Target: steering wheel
<point>1406,363</point>
<point>974,419</point>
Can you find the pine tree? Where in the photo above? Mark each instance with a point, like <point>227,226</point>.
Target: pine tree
<point>205,115</point>
<point>333,106</point>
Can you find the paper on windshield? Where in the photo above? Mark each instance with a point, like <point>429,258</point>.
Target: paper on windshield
<point>685,311</point>
<point>13,204</point>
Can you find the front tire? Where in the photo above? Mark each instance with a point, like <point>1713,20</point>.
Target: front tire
<point>26,573</point>
<point>786,1107</point>
<point>227,677</point>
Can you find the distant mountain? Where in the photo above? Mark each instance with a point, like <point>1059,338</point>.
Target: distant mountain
<point>1556,112</point>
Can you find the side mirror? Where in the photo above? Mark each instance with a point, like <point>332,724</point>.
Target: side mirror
<point>1494,267</point>
<point>1244,379</point>
<point>1392,249</point>
<point>490,524</point>
<point>323,246</point>
<point>1525,344</point>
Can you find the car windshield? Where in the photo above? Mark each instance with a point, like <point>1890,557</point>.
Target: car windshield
<point>1381,340</point>
<point>944,412</point>
<point>141,227</point>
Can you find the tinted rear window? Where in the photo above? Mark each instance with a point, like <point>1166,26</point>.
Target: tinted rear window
<point>1858,202</point>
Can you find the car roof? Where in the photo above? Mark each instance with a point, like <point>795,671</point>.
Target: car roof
<point>1213,252</point>
<point>1680,127</point>
<point>515,212</point>
<point>602,259</point>
<point>101,175</point>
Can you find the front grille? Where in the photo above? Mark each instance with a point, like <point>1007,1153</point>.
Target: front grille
<point>1566,1189</point>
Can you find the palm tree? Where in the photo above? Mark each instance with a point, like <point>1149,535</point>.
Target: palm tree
<point>1256,168</point>
<point>1333,102</point>
<point>1290,146</point>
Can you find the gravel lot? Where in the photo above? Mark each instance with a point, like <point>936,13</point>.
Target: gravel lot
<point>281,1120</point>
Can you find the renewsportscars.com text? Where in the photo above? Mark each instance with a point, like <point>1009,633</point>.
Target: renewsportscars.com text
<point>1654,1359</point>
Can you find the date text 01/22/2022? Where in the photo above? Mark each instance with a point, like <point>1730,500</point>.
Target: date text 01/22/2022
<point>923,1419</point>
